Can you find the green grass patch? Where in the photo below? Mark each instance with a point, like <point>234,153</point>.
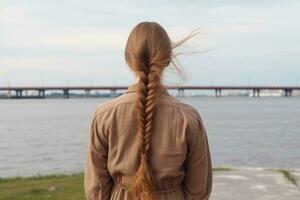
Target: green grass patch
<point>52,187</point>
<point>287,174</point>
<point>218,169</point>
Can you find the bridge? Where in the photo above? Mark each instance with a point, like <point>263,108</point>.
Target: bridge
<point>18,92</point>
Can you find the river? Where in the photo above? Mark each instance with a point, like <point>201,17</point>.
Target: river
<point>45,136</point>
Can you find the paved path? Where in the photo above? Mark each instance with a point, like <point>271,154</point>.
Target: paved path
<point>255,184</point>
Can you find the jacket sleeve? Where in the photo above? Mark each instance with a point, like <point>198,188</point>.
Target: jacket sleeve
<point>97,180</point>
<point>197,183</point>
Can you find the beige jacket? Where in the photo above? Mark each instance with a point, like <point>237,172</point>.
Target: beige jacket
<point>179,155</point>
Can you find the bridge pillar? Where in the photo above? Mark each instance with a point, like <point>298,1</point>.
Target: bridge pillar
<point>113,92</point>
<point>19,93</point>
<point>256,92</point>
<point>218,93</point>
<point>180,92</point>
<point>288,92</point>
<point>66,94</point>
<point>42,93</point>
<point>285,93</point>
<point>87,93</point>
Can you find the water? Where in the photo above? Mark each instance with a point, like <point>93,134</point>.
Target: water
<point>50,136</point>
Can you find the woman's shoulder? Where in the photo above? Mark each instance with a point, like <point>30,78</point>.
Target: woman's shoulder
<point>112,104</point>
<point>188,115</point>
<point>182,107</point>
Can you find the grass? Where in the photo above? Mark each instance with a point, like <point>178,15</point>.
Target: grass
<point>66,187</point>
<point>218,169</point>
<point>288,176</point>
<point>52,187</point>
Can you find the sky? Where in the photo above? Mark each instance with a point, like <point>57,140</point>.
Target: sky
<point>72,42</point>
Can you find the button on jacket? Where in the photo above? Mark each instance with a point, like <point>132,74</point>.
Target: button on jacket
<point>179,156</point>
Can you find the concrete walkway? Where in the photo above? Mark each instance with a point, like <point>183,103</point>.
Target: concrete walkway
<point>255,184</point>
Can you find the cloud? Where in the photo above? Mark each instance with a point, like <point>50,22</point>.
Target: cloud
<point>18,14</point>
<point>91,38</point>
<point>87,38</point>
<point>76,37</point>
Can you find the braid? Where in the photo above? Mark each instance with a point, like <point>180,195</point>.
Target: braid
<point>142,94</point>
<point>148,51</point>
<point>142,185</point>
<point>153,87</point>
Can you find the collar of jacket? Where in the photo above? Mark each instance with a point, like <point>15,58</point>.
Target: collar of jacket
<point>133,88</point>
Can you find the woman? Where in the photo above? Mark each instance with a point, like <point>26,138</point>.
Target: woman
<point>146,144</point>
